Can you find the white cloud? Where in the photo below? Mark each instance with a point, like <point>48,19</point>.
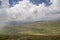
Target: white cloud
<point>5,3</point>
<point>26,11</point>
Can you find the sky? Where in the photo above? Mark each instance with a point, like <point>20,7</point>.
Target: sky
<point>36,2</point>
<point>0,3</point>
<point>29,10</point>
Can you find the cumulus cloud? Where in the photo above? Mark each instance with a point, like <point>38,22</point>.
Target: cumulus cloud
<point>27,11</point>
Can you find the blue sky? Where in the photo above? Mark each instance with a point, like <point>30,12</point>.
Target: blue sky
<point>36,2</point>
<point>13,2</point>
<point>0,2</point>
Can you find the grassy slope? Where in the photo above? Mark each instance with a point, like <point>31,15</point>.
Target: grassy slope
<point>38,28</point>
<point>32,31</point>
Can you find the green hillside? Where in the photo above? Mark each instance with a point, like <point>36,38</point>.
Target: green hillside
<point>34,28</point>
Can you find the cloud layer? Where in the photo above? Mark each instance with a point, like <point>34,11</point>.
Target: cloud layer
<point>27,11</point>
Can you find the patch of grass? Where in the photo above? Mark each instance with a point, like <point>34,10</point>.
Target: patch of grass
<point>50,27</point>
<point>32,31</point>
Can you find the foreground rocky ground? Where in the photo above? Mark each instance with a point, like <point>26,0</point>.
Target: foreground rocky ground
<point>29,37</point>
